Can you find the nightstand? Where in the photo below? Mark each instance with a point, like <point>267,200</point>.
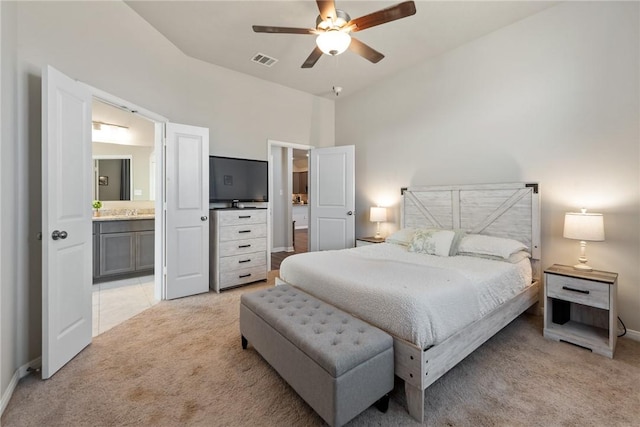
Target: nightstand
<point>363,241</point>
<point>580,308</point>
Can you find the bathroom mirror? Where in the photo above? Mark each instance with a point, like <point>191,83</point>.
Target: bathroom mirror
<point>123,155</point>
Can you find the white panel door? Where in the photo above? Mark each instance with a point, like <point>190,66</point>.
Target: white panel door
<point>332,198</point>
<point>187,210</point>
<point>66,220</point>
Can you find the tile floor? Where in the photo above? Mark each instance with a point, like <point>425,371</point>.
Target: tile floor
<point>114,302</point>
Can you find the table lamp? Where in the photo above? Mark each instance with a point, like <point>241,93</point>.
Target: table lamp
<point>585,227</point>
<point>378,214</point>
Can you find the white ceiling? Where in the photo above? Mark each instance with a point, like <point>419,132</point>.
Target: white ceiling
<point>219,32</point>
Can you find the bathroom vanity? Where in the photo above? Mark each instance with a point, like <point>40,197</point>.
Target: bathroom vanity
<point>123,246</point>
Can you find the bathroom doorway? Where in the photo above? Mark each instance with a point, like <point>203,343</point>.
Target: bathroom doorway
<point>123,148</point>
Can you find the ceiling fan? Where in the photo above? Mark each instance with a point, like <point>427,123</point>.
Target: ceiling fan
<point>333,28</point>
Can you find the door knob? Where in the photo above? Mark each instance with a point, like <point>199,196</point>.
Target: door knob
<point>203,218</point>
<point>350,213</point>
<point>58,235</point>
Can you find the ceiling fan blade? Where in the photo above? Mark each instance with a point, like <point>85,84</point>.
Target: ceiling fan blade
<point>400,10</point>
<point>282,30</point>
<point>313,58</point>
<point>327,8</point>
<point>365,51</point>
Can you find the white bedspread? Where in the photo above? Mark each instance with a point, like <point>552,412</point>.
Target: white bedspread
<point>421,298</point>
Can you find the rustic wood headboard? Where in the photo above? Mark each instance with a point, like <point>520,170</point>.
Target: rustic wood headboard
<point>509,210</point>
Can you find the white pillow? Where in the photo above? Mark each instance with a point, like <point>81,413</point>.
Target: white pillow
<point>489,245</point>
<point>432,242</point>
<point>515,257</point>
<point>401,237</point>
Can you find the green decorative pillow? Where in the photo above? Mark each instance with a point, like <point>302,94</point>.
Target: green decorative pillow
<point>432,242</point>
<point>401,237</point>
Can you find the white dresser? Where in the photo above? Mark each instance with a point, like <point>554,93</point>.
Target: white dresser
<point>238,247</point>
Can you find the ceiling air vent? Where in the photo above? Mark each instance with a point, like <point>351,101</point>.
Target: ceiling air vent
<point>263,59</point>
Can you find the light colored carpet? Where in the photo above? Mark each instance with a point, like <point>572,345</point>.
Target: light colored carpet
<point>181,363</point>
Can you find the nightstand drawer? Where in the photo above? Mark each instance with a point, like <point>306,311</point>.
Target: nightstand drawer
<point>586,292</point>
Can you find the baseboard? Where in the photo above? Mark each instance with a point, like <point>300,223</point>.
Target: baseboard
<point>633,335</point>
<point>279,249</point>
<point>21,372</point>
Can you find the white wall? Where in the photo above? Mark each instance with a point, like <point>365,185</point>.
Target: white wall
<point>108,46</point>
<point>11,246</point>
<point>281,200</point>
<point>552,99</point>
<point>125,56</point>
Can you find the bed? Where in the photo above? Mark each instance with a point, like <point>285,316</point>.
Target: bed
<point>400,291</point>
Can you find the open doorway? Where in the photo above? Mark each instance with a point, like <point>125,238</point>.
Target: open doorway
<point>67,218</point>
<point>123,156</point>
<point>299,207</point>
<point>289,219</point>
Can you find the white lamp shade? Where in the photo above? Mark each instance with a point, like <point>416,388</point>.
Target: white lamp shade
<point>378,214</point>
<point>584,226</point>
<point>333,42</point>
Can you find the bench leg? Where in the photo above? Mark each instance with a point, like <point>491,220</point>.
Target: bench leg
<point>244,342</point>
<point>383,403</point>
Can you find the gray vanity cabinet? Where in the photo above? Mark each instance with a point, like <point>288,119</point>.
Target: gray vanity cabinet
<point>123,248</point>
<point>117,253</point>
<point>145,250</point>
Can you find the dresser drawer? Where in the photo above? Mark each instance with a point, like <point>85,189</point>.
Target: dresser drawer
<point>237,262</point>
<point>586,292</point>
<point>240,277</point>
<point>239,217</point>
<point>246,231</point>
<point>237,247</point>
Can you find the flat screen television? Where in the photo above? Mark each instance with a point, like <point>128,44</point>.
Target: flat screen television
<point>241,180</point>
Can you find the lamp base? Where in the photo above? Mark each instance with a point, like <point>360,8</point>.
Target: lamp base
<point>378,236</point>
<point>582,267</point>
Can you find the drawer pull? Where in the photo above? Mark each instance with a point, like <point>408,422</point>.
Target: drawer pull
<point>244,246</point>
<point>244,216</point>
<point>242,276</point>
<point>244,231</point>
<point>243,261</point>
<point>566,288</point>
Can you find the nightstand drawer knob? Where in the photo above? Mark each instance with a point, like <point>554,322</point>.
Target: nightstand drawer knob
<point>566,288</point>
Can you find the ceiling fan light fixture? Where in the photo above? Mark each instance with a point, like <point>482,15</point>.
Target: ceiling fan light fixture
<point>333,42</point>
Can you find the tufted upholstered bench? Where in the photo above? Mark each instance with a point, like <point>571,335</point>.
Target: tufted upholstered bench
<point>338,364</point>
